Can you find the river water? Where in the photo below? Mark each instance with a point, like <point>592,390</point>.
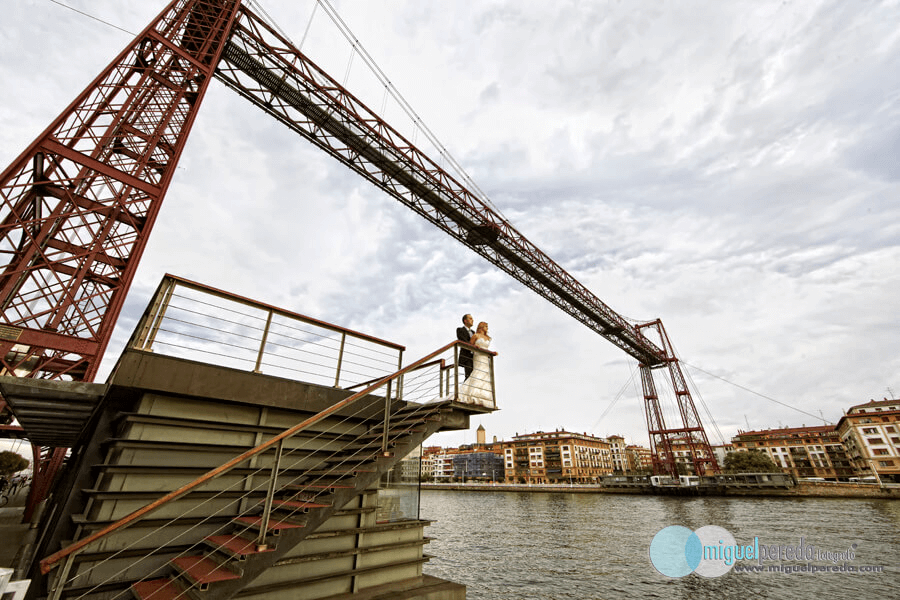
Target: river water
<point>516,546</point>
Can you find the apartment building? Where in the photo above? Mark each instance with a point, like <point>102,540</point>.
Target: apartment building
<point>639,459</point>
<point>427,464</point>
<point>871,434</point>
<point>720,451</point>
<point>617,449</point>
<point>685,450</point>
<point>556,457</point>
<point>478,466</point>
<point>801,451</point>
<point>442,465</point>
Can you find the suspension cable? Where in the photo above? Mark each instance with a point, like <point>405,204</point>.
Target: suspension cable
<point>619,395</point>
<point>769,398</point>
<point>404,104</point>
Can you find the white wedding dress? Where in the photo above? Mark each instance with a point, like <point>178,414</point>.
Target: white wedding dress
<point>477,389</point>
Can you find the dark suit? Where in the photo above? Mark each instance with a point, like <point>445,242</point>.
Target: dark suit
<point>466,360</point>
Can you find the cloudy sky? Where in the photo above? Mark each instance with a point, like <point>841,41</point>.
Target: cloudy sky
<point>732,168</point>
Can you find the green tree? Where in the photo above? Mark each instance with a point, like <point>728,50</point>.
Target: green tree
<point>752,461</point>
<point>10,463</point>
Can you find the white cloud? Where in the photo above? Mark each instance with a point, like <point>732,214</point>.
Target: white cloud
<point>733,174</point>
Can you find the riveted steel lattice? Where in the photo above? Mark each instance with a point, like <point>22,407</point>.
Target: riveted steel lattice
<point>77,206</point>
<point>691,436</point>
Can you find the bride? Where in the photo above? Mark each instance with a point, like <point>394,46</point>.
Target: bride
<point>477,388</point>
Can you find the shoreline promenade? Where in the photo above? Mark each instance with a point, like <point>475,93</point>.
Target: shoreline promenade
<point>804,489</point>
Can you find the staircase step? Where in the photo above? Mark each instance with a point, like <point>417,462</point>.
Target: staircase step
<point>373,444</point>
<point>158,589</point>
<point>203,570</point>
<point>341,472</point>
<point>396,431</point>
<point>358,455</point>
<point>310,496</point>
<point>411,419</point>
<point>300,487</point>
<point>235,545</point>
<point>304,504</point>
<point>274,524</point>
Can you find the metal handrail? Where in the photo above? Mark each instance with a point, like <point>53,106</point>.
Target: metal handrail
<point>157,312</point>
<point>52,561</point>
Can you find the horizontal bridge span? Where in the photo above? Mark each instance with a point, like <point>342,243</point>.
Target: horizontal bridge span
<point>266,69</point>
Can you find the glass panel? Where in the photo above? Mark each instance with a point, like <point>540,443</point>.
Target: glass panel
<point>398,490</point>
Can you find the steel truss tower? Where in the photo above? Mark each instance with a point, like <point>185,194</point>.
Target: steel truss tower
<point>690,437</point>
<point>77,206</point>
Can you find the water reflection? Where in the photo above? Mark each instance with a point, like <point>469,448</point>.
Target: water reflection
<point>512,546</point>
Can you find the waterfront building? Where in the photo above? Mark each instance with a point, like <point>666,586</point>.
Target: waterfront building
<point>617,453</point>
<point>871,434</point>
<point>409,468</point>
<point>639,458</point>
<point>427,466</point>
<point>721,451</point>
<point>556,457</point>
<point>684,456</point>
<point>442,467</point>
<point>477,466</point>
<point>803,452</point>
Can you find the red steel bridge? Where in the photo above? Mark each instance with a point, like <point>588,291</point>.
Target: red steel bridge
<point>78,204</point>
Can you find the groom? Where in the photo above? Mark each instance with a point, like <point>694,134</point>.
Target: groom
<point>464,334</point>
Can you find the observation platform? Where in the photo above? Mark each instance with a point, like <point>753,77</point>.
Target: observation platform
<point>218,420</point>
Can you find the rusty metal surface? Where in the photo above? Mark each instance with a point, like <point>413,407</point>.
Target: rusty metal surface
<point>77,206</point>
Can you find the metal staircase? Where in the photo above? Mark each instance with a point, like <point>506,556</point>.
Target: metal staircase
<point>309,465</point>
<point>232,559</point>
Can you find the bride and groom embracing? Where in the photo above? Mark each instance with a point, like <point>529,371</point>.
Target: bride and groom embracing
<point>477,388</point>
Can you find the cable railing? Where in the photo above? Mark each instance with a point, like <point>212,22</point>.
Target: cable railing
<point>193,321</point>
<point>308,461</point>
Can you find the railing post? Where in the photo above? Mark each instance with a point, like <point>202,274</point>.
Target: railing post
<point>337,375</point>
<point>493,386</point>
<point>155,316</point>
<point>387,420</point>
<point>400,381</point>
<point>262,344</point>
<point>456,371</point>
<point>270,495</point>
<point>60,582</point>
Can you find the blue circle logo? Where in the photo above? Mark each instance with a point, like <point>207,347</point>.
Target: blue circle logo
<point>677,551</point>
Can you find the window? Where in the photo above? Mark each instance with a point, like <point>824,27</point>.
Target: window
<point>869,430</point>
<point>880,452</point>
<point>886,463</point>
<point>874,441</point>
